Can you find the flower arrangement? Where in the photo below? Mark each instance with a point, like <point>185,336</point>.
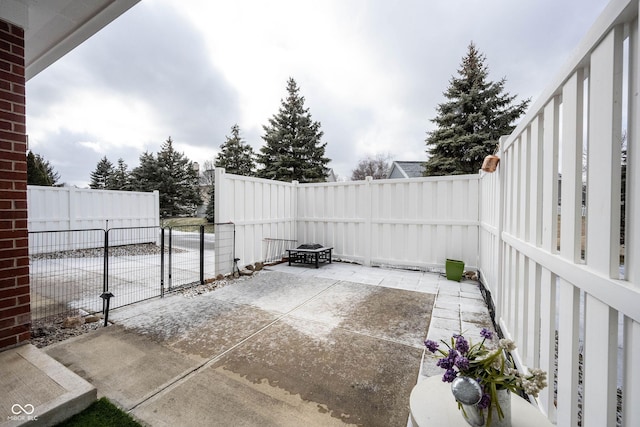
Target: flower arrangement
<point>489,367</point>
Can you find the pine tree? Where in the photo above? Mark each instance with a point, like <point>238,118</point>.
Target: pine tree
<point>146,176</point>
<point>40,171</point>
<point>209,213</point>
<point>293,149</point>
<point>235,155</point>
<point>101,176</point>
<point>476,114</point>
<point>120,179</point>
<point>179,187</point>
<point>36,175</point>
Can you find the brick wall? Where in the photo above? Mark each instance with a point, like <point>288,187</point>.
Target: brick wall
<point>15,315</point>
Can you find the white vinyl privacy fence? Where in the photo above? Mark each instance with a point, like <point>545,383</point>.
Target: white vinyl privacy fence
<point>416,223</point>
<point>54,209</point>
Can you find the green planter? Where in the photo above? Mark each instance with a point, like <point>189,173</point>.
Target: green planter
<point>454,269</point>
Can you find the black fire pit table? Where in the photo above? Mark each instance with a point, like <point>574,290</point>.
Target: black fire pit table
<point>310,254</point>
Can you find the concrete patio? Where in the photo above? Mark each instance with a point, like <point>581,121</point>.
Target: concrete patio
<point>342,344</point>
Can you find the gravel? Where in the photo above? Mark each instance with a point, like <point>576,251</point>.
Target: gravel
<point>114,251</point>
<point>50,330</point>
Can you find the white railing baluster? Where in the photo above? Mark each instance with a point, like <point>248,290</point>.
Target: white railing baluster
<point>600,356</point>
<point>605,138</point>
<point>568,324</point>
<point>631,380</point>
<point>547,339</point>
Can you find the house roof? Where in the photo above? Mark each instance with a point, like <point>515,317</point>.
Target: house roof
<point>408,169</point>
<point>55,27</point>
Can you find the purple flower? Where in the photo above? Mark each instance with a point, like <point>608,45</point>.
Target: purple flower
<point>485,333</point>
<point>462,345</point>
<point>449,376</point>
<point>432,346</point>
<point>485,401</point>
<point>445,363</point>
<point>462,363</point>
<point>449,361</point>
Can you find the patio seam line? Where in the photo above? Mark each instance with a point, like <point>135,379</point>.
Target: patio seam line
<point>176,381</point>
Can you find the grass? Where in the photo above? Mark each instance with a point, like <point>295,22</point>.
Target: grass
<point>101,413</point>
<point>187,224</point>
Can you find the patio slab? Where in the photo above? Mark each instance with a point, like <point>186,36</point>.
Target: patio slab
<point>290,346</point>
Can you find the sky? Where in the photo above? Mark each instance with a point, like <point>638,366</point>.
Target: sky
<point>372,72</point>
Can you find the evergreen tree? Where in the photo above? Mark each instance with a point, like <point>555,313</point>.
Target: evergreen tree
<point>235,155</point>
<point>146,176</point>
<point>293,149</point>
<point>40,171</point>
<point>476,114</point>
<point>178,186</point>
<point>120,179</point>
<point>52,175</point>
<point>209,213</point>
<point>101,176</point>
<point>36,175</point>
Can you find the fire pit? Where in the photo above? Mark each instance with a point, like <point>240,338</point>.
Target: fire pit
<point>310,253</point>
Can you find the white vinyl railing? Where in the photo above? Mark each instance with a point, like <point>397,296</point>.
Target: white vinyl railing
<point>558,284</point>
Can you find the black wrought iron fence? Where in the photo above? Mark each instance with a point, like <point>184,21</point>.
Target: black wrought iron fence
<point>70,269</point>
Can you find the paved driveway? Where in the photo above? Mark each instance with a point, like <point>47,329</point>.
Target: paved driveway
<point>277,349</point>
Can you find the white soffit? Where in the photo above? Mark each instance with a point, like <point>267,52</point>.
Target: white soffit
<point>55,27</point>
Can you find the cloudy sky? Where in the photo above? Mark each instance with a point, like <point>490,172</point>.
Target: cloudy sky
<point>371,71</point>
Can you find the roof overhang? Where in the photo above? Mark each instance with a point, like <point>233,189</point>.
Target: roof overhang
<point>55,27</point>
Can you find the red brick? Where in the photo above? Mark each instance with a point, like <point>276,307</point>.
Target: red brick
<point>24,318</point>
<point>11,117</point>
<point>25,336</point>
<point>14,311</point>
<point>14,214</point>
<point>17,330</point>
<point>24,299</point>
<point>14,292</point>
<point>18,31</point>
<point>18,50</point>
<point>8,342</point>
<point>7,323</point>
<point>8,302</point>
<point>18,68</point>
<point>8,75</point>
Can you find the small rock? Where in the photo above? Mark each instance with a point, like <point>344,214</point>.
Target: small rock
<point>245,272</point>
<point>249,267</point>
<point>91,318</point>
<point>259,266</point>
<point>73,322</point>
<point>220,277</point>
